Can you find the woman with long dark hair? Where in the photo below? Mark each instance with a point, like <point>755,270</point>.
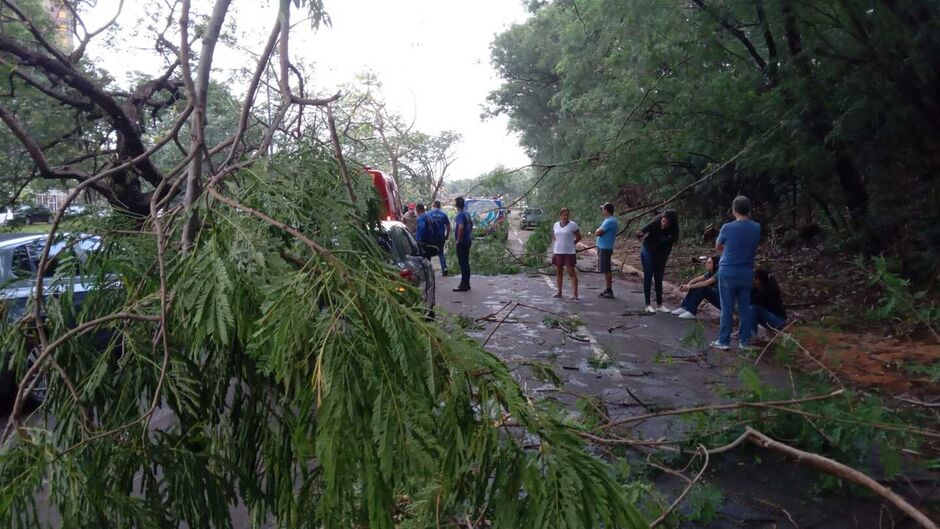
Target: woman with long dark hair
<point>658,238</point>
<point>767,307</point>
<point>703,287</point>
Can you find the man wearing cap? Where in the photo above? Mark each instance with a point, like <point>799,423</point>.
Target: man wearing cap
<point>606,234</point>
<point>410,219</point>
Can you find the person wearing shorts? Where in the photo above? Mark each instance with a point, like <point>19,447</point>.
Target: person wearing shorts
<point>565,236</point>
<point>606,234</point>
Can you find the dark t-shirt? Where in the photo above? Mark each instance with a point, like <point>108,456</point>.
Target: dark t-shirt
<point>463,218</point>
<point>658,242</point>
<point>770,298</point>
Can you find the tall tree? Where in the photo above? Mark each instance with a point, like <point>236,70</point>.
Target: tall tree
<point>244,344</point>
<point>834,104</point>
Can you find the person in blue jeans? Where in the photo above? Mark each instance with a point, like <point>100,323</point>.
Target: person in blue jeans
<point>737,243</point>
<point>658,238</point>
<point>702,288</point>
<point>463,232</point>
<point>767,307</point>
<point>443,220</point>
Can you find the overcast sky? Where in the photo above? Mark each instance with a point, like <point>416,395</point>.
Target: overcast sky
<point>431,55</point>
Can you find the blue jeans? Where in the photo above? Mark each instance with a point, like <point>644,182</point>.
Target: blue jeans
<point>653,269</point>
<point>695,296</point>
<point>762,316</point>
<point>463,258</point>
<point>735,289</point>
<point>440,254</point>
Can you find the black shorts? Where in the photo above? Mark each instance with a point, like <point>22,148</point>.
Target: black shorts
<point>603,260</point>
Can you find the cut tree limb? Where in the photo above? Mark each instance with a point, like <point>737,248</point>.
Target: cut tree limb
<point>841,471</point>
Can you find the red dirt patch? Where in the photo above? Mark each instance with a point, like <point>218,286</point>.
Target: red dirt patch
<point>872,361</point>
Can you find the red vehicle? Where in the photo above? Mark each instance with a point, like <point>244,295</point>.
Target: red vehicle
<point>387,188</point>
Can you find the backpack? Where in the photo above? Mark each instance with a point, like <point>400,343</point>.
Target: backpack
<point>434,228</point>
<point>437,227</point>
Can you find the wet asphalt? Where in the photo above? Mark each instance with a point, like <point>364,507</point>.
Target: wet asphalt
<point>638,364</point>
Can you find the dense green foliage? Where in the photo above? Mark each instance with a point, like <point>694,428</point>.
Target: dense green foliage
<point>835,105</point>
<point>293,381</point>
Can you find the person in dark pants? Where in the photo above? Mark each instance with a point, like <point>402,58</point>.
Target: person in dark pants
<point>737,243</point>
<point>767,307</point>
<point>606,236</point>
<point>702,288</point>
<point>463,231</point>
<point>658,237</point>
<point>443,220</point>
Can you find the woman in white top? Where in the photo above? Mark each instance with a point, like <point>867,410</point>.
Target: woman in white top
<point>565,236</point>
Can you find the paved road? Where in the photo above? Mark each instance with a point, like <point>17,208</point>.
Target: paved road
<point>637,363</point>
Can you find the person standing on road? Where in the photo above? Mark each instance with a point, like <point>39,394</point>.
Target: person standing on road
<point>443,222</point>
<point>424,232</point>
<point>410,219</point>
<point>463,231</point>
<point>606,235</point>
<point>737,243</point>
<point>566,235</point>
<point>658,238</point>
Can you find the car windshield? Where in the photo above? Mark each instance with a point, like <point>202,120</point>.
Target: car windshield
<point>25,258</point>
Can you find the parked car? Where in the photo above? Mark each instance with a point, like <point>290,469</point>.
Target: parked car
<point>531,218</point>
<point>19,260</point>
<point>412,260</point>
<point>29,214</point>
<point>487,214</point>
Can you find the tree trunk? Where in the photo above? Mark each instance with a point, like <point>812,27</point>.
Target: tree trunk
<point>197,144</point>
<point>818,122</point>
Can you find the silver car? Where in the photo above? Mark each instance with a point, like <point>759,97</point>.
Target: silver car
<point>412,259</point>
<point>19,261</point>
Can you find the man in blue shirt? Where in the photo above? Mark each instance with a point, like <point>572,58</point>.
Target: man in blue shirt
<point>463,231</point>
<point>443,221</point>
<point>424,229</point>
<point>737,244</point>
<point>606,234</point>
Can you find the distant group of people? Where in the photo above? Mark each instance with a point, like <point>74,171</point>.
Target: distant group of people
<point>730,278</point>
<point>433,227</point>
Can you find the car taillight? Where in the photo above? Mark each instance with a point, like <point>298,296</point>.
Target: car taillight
<point>407,274</point>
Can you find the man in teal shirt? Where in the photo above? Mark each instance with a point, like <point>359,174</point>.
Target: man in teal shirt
<point>606,234</point>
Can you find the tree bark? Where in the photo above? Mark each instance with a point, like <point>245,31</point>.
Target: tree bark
<point>198,91</point>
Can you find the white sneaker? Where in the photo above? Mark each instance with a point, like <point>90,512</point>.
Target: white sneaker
<point>720,346</point>
<point>679,311</point>
<point>663,308</point>
<point>650,309</point>
<point>687,316</point>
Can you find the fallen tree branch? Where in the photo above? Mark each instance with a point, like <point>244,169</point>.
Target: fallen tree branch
<point>841,471</point>
<point>662,517</point>
<point>731,406</point>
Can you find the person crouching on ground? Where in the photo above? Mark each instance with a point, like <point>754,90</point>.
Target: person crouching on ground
<point>703,287</point>
<point>566,235</point>
<point>658,238</point>
<point>767,308</point>
<point>606,235</point>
